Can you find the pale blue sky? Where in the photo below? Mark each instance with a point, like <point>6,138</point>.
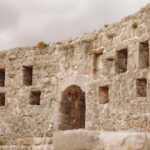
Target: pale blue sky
<point>25,22</point>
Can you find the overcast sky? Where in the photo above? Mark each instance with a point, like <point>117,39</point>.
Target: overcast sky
<point>25,22</point>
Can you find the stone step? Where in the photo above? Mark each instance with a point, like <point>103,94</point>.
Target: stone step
<point>34,141</point>
<point>34,147</point>
<point>100,140</point>
<point>14,147</point>
<point>42,147</point>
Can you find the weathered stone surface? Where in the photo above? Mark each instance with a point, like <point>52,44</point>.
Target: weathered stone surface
<point>90,61</point>
<point>92,140</point>
<point>39,147</point>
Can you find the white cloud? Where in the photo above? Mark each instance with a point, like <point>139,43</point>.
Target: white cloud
<point>9,16</point>
<point>25,22</point>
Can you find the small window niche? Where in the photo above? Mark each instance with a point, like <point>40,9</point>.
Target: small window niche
<point>2,99</point>
<point>2,77</point>
<point>141,87</point>
<point>104,94</point>
<point>96,61</point>
<point>35,97</point>
<point>143,55</point>
<point>121,61</point>
<point>27,75</point>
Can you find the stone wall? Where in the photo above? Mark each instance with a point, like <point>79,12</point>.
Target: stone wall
<point>109,57</point>
<point>96,140</point>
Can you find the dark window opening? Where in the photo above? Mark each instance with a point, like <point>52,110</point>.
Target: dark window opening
<point>121,61</point>
<point>27,77</point>
<point>2,77</point>
<point>35,97</point>
<point>141,87</point>
<point>2,99</point>
<point>144,55</point>
<point>104,94</point>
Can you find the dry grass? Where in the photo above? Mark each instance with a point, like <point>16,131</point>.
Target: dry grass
<point>2,142</point>
<point>134,25</point>
<point>41,45</point>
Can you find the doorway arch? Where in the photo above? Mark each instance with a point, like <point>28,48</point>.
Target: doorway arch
<point>72,108</point>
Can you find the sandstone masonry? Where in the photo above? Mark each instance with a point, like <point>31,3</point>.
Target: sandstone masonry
<point>98,81</point>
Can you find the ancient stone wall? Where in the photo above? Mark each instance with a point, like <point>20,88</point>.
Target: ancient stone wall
<point>97,140</point>
<point>110,65</point>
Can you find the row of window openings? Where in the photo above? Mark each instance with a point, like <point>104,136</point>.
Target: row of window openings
<point>141,90</point>
<point>121,67</point>
<point>27,76</point>
<point>34,98</point>
<point>122,58</point>
<point>120,63</point>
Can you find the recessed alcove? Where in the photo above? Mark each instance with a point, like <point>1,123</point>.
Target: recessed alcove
<point>72,108</point>
<point>35,97</point>
<point>2,77</point>
<point>27,75</point>
<point>2,99</point>
<point>96,62</point>
<point>143,55</point>
<point>121,61</point>
<point>141,87</point>
<point>103,94</point>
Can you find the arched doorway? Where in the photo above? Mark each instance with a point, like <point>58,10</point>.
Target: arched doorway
<point>72,108</point>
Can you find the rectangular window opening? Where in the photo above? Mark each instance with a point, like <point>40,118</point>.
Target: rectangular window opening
<point>121,61</point>
<point>2,77</point>
<point>141,87</point>
<point>2,99</point>
<point>27,75</point>
<point>35,97</point>
<point>144,55</point>
<point>104,94</point>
